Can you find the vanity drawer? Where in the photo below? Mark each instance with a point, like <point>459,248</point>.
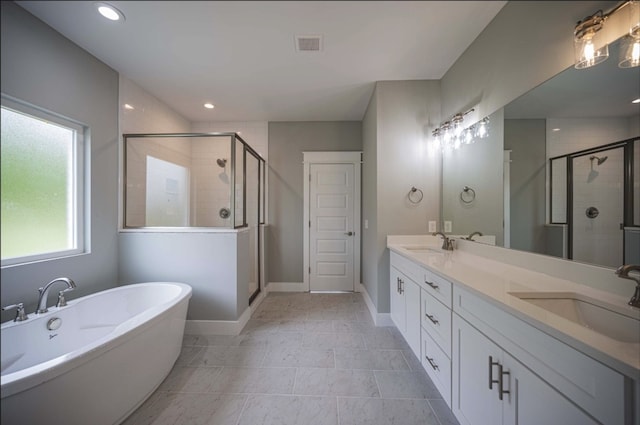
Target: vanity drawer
<point>437,365</point>
<point>437,286</point>
<point>406,266</point>
<point>436,320</point>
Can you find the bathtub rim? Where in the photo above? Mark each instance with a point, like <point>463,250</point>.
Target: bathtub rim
<point>24,379</point>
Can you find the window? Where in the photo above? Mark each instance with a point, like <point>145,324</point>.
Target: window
<point>42,177</point>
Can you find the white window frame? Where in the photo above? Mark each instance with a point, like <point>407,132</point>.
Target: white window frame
<point>80,162</point>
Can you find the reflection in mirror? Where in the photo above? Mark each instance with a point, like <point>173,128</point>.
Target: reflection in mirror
<point>577,110</point>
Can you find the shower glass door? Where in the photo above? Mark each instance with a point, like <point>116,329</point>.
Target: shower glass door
<point>597,193</point>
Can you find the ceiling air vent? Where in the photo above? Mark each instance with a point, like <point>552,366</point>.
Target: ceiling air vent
<point>308,43</point>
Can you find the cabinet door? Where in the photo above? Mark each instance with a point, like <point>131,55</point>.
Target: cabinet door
<point>398,313</point>
<point>411,292</point>
<point>474,403</point>
<point>531,401</point>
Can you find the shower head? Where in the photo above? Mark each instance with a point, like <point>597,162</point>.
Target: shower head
<point>222,162</point>
<point>600,160</point>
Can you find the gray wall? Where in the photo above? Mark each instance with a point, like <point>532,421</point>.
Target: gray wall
<point>527,141</point>
<point>479,166</point>
<point>527,43</point>
<point>396,153</point>
<point>43,68</point>
<point>287,141</point>
<point>369,231</point>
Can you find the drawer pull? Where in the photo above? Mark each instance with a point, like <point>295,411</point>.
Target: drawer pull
<point>433,285</point>
<point>434,366</point>
<point>401,286</point>
<point>398,285</point>
<point>432,318</point>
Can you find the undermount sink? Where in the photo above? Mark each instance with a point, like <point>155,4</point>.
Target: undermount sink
<point>422,249</point>
<point>618,323</point>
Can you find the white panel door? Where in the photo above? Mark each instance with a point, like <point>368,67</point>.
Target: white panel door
<point>331,233</point>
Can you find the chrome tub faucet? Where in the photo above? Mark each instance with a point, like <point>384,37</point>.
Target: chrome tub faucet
<point>623,272</point>
<point>43,292</point>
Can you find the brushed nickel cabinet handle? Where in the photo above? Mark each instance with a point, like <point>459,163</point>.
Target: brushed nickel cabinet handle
<point>433,285</point>
<point>501,390</point>
<point>491,365</point>
<point>434,366</point>
<point>432,318</point>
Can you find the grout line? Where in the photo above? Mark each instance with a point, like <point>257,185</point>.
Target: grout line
<point>338,408</point>
<point>244,406</point>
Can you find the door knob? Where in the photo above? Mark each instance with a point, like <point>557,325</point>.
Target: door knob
<point>349,233</point>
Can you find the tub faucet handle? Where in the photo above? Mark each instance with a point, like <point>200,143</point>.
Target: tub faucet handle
<point>21,316</point>
<point>61,301</point>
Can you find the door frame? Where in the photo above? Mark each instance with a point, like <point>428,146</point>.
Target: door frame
<point>332,157</point>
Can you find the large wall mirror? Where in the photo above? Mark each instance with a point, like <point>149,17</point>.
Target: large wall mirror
<point>578,206</point>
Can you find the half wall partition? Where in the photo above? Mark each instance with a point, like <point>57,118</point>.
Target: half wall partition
<point>196,182</point>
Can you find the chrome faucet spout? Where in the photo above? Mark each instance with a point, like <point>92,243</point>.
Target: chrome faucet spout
<point>43,292</point>
<point>447,244</point>
<point>623,272</point>
<point>470,237</point>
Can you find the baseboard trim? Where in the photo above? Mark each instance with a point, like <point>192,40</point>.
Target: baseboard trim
<point>218,327</point>
<point>379,319</point>
<point>286,287</point>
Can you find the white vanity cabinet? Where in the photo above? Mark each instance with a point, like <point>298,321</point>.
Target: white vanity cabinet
<point>492,388</point>
<point>493,366</point>
<point>422,313</point>
<point>405,305</point>
<point>540,379</point>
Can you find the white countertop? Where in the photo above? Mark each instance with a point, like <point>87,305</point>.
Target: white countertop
<point>495,280</point>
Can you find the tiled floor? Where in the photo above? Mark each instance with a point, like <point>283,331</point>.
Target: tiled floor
<point>303,359</point>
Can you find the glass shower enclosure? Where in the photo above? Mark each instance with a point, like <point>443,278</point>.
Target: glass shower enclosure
<point>196,181</point>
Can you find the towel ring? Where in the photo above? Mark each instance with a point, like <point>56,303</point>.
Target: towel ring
<point>413,198</point>
<point>467,195</point>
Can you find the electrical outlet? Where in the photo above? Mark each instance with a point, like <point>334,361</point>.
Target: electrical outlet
<point>447,227</point>
<point>432,226</point>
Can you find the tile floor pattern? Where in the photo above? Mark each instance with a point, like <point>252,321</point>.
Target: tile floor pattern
<point>303,359</point>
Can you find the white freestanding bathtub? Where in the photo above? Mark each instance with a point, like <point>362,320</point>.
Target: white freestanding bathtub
<point>110,352</point>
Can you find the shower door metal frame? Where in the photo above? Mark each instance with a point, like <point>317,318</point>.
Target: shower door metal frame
<point>628,195</point>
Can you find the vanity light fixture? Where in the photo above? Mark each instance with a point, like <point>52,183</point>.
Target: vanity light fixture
<point>110,12</point>
<point>590,50</point>
<point>636,100</point>
<point>452,134</point>
<point>209,105</point>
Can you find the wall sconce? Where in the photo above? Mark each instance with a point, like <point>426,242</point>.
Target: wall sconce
<point>452,133</point>
<point>586,38</point>
<point>630,46</point>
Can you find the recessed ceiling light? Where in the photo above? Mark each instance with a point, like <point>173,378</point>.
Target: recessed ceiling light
<point>127,106</point>
<point>636,100</point>
<point>209,105</point>
<point>109,12</point>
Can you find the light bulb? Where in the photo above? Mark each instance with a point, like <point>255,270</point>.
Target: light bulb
<point>589,52</point>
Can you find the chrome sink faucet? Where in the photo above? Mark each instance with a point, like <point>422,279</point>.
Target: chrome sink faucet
<point>623,272</point>
<point>470,237</point>
<point>43,292</point>
<point>447,244</point>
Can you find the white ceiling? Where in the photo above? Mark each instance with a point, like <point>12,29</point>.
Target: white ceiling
<point>241,55</point>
